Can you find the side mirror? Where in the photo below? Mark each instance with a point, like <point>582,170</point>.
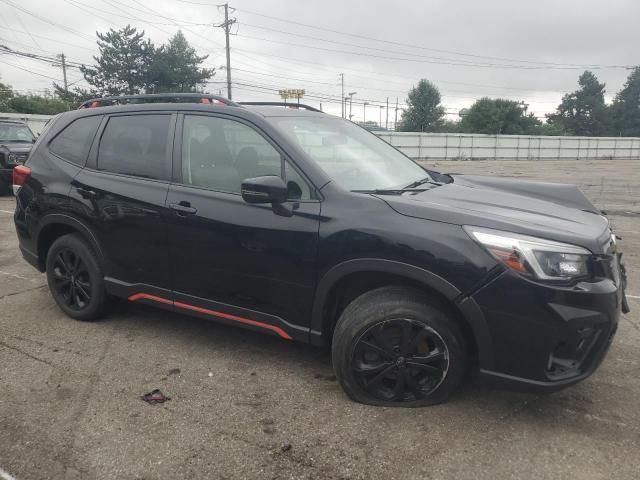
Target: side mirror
<point>266,189</point>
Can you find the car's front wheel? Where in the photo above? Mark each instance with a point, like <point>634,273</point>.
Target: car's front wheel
<point>394,347</point>
<point>75,278</point>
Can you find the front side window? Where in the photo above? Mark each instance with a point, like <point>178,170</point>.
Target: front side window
<point>218,153</point>
<point>73,143</point>
<point>353,157</point>
<point>136,145</point>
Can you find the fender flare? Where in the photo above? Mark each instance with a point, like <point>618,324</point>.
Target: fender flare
<point>467,307</point>
<point>73,222</point>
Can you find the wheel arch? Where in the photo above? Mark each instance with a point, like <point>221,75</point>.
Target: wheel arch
<point>325,309</point>
<point>55,225</point>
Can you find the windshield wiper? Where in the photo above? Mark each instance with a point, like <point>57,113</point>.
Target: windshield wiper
<point>422,182</point>
<point>390,191</point>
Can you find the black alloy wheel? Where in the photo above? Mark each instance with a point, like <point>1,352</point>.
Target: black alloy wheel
<point>400,360</point>
<point>75,278</point>
<point>71,279</point>
<point>398,346</point>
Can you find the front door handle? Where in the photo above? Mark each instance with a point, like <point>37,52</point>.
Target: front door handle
<point>183,208</point>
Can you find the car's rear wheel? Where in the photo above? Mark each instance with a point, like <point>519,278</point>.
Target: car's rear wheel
<point>393,346</point>
<point>75,278</point>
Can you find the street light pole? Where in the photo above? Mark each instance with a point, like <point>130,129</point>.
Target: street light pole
<point>380,122</point>
<point>364,116</point>
<point>351,94</point>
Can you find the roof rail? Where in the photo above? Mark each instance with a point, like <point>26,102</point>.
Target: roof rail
<point>284,104</point>
<point>158,98</point>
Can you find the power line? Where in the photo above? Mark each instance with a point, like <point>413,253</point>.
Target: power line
<point>46,20</point>
<point>420,47</point>
<point>48,38</point>
<point>342,43</point>
<point>450,62</point>
<point>369,74</point>
<point>17,15</point>
<point>30,71</point>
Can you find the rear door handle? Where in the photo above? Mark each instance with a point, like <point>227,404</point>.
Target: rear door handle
<point>183,208</point>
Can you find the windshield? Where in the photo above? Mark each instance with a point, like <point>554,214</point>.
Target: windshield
<point>15,133</point>
<point>350,155</point>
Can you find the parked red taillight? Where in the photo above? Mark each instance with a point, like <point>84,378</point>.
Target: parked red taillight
<point>20,175</point>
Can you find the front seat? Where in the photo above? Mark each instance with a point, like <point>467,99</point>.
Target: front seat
<point>247,163</point>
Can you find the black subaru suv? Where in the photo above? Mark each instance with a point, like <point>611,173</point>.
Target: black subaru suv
<point>16,140</point>
<point>302,225</point>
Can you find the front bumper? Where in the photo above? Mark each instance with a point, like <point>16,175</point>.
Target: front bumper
<point>547,337</point>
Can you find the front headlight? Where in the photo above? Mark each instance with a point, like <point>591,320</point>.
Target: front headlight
<point>13,158</point>
<point>535,257</point>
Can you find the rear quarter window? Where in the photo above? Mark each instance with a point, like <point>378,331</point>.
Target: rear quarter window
<point>74,141</point>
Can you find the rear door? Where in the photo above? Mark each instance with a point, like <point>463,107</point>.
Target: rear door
<point>240,262</point>
<point>123,191</point>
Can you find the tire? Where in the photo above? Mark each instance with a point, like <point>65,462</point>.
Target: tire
<point>396,347</point>
<point>75,278</point>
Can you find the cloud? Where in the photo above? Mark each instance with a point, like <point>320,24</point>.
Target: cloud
<point>457,45</point>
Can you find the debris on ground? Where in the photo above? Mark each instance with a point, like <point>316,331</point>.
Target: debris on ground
<point>174,371</point>
<point>286,447</point>
<point>155,396</point>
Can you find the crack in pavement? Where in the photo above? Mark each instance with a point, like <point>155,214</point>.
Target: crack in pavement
<point>19,350</point>
<point>22,291</point>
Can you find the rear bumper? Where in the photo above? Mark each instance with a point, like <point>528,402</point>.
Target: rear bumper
<point>546,337</point>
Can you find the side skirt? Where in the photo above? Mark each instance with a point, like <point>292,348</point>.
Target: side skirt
<point>207,309</point>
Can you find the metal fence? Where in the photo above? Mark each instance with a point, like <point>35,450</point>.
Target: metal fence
<point>462,146</point>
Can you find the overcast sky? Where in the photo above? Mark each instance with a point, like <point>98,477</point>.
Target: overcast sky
<point>523,50</point>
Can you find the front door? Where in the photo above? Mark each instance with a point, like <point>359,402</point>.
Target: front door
<point>239,262</point>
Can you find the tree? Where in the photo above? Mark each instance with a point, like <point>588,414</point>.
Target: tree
<point>499,116</point>
<point>448,126</point>
<point>6,94</point>
<point>425,113</point>
<point>583,112</point>
<point>176,67</point>
<point>37,104</point>
<point>10,101</point>
<point>625,111</point>
<point>122,68</point>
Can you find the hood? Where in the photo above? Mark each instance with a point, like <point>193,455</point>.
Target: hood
<point>553,211</point>
<point>16,147</point>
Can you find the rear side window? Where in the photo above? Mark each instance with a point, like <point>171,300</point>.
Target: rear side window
<point>73,143</point>
<point>136,145</point>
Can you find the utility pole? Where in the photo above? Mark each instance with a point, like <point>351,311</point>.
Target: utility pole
<point>227,28</point>
<point>395,123</point>
<point>386,123</point>
<point>380,122</point>
<point>342,96</point>
<point>63,60</point>
<point>364,110</point>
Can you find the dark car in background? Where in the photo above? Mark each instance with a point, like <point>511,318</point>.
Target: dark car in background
<point>305,226</point>
<point>16,140</point>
